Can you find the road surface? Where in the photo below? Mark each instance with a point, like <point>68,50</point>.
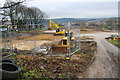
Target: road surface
<point>104,66</point>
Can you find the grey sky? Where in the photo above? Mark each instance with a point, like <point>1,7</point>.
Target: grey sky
<point>76,8</point>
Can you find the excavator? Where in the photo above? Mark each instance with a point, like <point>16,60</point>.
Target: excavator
<point>67,41</point>
<point>59,31</point>
<point>115,37</point>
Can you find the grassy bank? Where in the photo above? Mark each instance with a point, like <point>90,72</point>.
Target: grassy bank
<point>117,43</point>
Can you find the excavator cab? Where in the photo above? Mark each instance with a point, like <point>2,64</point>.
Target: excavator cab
<point>69,34</point>
<point>58,30</point>
<point>65,42</point>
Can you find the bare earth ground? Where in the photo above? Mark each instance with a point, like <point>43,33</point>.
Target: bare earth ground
<point>104,65</point>
<point>28,42</point>
<point>56,67</point>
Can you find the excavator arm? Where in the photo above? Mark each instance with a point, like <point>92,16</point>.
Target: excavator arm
<point>53,24</point>
<point>58,30</point>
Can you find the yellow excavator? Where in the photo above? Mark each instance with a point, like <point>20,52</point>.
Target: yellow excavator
<point>115,37</point>
<point>67,41</point>
<point>59,31</point>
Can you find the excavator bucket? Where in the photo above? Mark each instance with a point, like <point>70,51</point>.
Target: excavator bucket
<point>59,48</point>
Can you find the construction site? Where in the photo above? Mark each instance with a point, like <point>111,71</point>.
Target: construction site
<point>68,50</point>
<point>55,53</point>
<point>55,46</point>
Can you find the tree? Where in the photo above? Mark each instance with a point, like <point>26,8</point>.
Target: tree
<point>35,17</point>
<point>22,15</point>
<point>11,5</point>
<point>9,12</point>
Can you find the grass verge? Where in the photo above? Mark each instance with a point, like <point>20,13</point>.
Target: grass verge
<point>117,43</point>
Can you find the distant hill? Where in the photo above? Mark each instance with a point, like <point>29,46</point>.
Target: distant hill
<point>64,20</point>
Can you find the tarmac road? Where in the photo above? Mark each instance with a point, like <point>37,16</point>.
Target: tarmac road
<point>103,66</point>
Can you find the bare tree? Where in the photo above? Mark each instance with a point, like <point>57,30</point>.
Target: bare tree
<point>21,15</point>
<point>38,17</point>
<point>12,5</point>
<point>8,13</point>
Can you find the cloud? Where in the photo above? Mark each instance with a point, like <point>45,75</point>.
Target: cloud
<point>76,8</point>
<point>75,0</point>
<point>79,9</point>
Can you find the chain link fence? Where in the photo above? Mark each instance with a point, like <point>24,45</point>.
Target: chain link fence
<point>53,47</point>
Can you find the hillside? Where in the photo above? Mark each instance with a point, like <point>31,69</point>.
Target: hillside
<point>64,20</point>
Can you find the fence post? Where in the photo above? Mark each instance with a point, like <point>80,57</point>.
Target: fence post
<point>34,46</point>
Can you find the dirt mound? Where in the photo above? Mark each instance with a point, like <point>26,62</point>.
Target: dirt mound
<point>52,67</point>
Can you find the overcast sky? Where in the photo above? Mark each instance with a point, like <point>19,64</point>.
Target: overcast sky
<point>77,8</point>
